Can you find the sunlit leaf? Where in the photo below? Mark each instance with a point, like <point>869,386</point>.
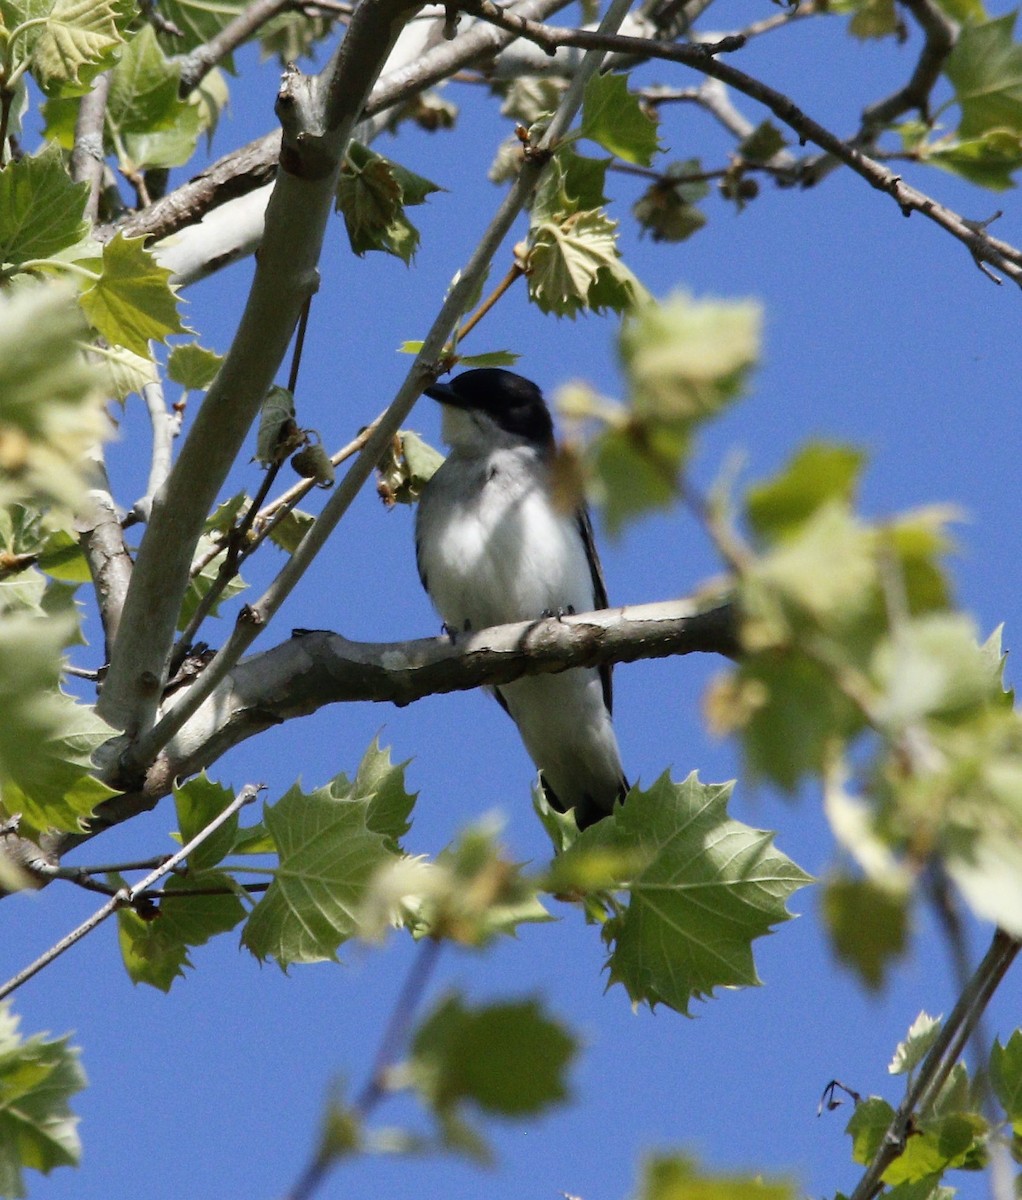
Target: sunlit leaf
<point>41,210</point>
<point>615,119</point>
<point>985,69</point>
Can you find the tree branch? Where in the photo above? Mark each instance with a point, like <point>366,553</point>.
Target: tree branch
<point>101,538</point>
<point>87,156</point>
<point>317,668</point>
<point>197,64</point>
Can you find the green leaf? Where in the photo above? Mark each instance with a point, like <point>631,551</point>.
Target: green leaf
<point>615,119</point>
<point>78,41</point>
<point>868,926</point>
<point>288,532</point>
<point>954,1140</point>
<point>510,1059</point>
<point>873,19</point>
<point>685,359</point>
<point>762,144</point>
<point>193,366</point>
<point>492,358</point>
<point>38,1077</point>
<point>989,160</point>
<point>817,473</point>
<point>710,886</point>
<point>573,265</point>
<point>985,70</point>
<point>126,371</point>
<point>666,211</point>
<point>147,123</point>
<point>331,844</point>
<point>370,194</point>
<point>572,183</point>
<point>675,1177</point>
<point>198,802</point>
<point>867,1127</point>
<point>41,210</point>
<point>910,1053</point>
<point>278,434</point>
<point>133,300</point>
<point>155,947</point>
<point>1006,1077</point>
<point>46,738</point>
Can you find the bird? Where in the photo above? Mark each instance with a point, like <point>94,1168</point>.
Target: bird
<point>493,547</point>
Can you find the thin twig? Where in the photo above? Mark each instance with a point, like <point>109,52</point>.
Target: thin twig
<point>199,62</point>
<point>514,274</point>
<point>125,897</point>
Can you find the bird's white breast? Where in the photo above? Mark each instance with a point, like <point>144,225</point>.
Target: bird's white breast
<point>492,546</point>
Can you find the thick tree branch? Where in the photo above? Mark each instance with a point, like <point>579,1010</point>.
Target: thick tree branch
<point>87,156</point>
<point>285,277</point>
<point>318,668</point>
<point>101,537</point>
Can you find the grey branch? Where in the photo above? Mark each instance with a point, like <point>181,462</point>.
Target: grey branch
<point>318,668</point>
<point>101,537</point>
<point>87,156</point>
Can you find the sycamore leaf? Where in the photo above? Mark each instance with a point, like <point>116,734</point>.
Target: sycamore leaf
<point>985,69</point>
<point>573,264</point>
<point>509,1058</point>
<point>278,434</point>
<point>572,183</point>
<point>710,886</point>
<point>762,144</point>
<point>41,210</point>
<point>615,119</point>
<point>51,403</point>
<point>143,88</point>
<point>867,1126</point>
<point>955,1139</point>
<point>288,532</point>
<point>868,925</point>
<point>910,1053</point>
<point>78,41</point>
<point>331,843</point>
<point>193,366</point>
<point>46,737</point>
<point>38,1076</point>
<point>989,160</point>
<point>818,472</point>
<point>1006,1077</point>
<point>198,802</point>
<point>133,300</point>
<point>873,18</point>
<point>686,358</point>
<point>674,1177</point>
<point>371,192</point>
<point>127,372</point>
<point>490,358</point>
<point>155,947</point>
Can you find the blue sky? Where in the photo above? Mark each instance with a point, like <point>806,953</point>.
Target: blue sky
<point>879,331</point>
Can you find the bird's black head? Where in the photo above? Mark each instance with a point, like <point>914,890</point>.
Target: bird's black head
<point>514,404</point>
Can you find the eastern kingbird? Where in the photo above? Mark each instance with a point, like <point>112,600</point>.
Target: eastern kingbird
<point>492,547</point>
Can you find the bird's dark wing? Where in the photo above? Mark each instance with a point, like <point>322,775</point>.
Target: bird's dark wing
<point>585,528</point>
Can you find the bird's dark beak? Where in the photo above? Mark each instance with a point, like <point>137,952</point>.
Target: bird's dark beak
<point>443,393</point>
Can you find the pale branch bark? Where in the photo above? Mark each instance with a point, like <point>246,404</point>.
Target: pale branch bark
<point>932,1073</point>
<point>147,742</point>
<point>130,895</point>
<point>317,668</point>
<point>101,538</point>
<point>254,165</point>
<point>87,157</point>
<point>166,425</point>
<point>197,64</point>
<point>286,275</point>
<point>1001,256</point>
